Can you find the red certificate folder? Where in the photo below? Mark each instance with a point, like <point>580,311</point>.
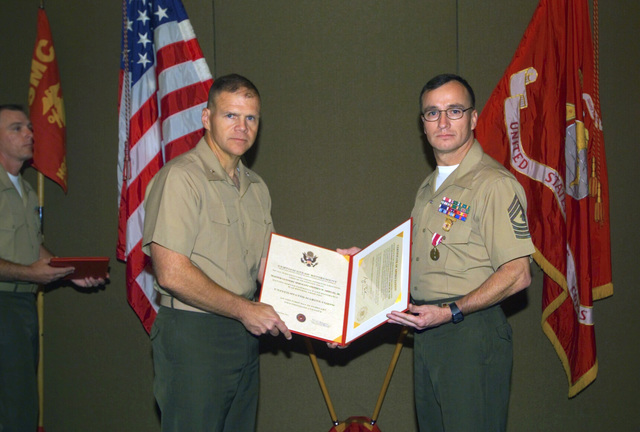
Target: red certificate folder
<point>96,267</point>
<point>327,296</point>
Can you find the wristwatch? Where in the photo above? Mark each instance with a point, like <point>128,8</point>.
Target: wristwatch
<point>456,313</point>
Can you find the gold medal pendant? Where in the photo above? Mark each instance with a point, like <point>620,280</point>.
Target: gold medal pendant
<point>435,254</point>
<point>435,241</point>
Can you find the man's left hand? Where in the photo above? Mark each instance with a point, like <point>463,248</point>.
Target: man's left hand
<point>421,317</point>
<point>89,282</point>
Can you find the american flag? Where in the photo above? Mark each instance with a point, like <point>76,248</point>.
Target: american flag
<point>164,84</point>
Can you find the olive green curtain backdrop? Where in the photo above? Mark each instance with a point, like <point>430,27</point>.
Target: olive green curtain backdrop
<point>341,149</point>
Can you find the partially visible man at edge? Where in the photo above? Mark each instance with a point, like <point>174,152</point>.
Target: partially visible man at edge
<point>207,228</point>
<point>471,248</point>
<point>24,264</point>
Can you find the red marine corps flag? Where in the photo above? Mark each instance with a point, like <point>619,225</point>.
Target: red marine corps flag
<point>46,108</point>
<point>543,123</point>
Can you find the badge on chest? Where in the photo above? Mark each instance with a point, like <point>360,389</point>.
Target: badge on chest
<point>453,211</point>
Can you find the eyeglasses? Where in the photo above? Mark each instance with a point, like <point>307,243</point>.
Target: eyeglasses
<point>452,114</point>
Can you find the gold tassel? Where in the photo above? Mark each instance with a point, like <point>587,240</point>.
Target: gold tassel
<point>594,183</point>
<point>597,216</point>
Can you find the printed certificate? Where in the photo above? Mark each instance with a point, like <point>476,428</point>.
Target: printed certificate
<point>322,294</point>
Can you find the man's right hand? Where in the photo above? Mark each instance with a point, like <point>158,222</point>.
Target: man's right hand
<point>261,318</point>
<point>41,272</point>
<point>351,251</point>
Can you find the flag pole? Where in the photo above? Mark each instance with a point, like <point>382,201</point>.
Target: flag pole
<point>46,111</point>
<point>40,307</point>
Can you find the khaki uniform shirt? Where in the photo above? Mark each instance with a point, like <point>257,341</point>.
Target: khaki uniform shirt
<point>193,207</point>
<point>20,236</point>
<point>490,228</point>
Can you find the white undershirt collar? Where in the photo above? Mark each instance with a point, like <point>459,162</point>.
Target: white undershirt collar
<point>443,173</point>
<point>15,180</point>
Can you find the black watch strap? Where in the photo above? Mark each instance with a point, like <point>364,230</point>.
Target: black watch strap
<point>456,313</point>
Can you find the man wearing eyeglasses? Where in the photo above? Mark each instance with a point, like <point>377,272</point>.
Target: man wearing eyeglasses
<point>471,248</point>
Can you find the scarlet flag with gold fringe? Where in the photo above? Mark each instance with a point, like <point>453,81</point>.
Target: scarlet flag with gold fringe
<point>543,123</point>
<point>46,107</point>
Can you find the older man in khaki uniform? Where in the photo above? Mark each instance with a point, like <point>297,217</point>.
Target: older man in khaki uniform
<point>207,228</point>
<point>471,247</point>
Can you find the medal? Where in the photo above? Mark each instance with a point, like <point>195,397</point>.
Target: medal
<point>435,254</point>
<point>435,241</point>
<point>448,223</point>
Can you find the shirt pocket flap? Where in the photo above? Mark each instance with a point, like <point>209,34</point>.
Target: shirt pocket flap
<point>222,215</point>
<point>459,231</point>
<point>458,234</point>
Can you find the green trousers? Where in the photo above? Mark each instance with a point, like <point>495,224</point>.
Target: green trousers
<point>463,373</point>
<point>18,362</point>
<point>206,372</point>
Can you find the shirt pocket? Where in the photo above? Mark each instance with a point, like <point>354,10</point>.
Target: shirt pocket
<point>454,248</point>
<point>258,230</point>
<point>259,222</point>
<point>220,235</point>
<point>8,230</point>
<point>458,247</point>
<point>19,233</point>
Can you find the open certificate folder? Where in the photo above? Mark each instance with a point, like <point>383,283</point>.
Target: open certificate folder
<point>322,294</point>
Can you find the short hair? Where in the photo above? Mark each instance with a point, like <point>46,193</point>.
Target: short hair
<point>442,79</point>
<point>231,83</point>
<point>13,107</point>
